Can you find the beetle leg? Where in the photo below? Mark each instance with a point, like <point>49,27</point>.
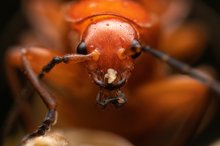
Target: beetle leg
<point>184,68</point>
<point>45,96</point>
<point>21,106</point>
<point>49,101</point>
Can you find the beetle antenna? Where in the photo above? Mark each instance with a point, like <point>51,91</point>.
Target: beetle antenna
<point>196,74</point>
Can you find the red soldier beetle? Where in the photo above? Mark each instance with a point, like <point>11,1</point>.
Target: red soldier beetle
<point>109,60</point>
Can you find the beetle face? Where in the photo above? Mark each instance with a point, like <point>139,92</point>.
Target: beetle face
<point>111,39</point>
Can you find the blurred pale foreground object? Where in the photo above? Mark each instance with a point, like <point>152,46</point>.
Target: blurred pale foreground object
<point>78,137</point>
<point>216,143</point>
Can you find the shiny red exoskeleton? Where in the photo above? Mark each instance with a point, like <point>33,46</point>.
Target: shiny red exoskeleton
<point>111,35</point>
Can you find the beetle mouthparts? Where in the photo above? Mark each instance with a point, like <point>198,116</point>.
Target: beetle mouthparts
<point>110,86</point>
<point>116,97</point>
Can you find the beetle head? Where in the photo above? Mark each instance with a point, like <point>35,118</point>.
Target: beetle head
<point>113,42</point>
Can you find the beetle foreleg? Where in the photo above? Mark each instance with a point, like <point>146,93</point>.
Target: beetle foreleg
<point>50,118</point>
<point>45,96</point>
<point>14,112</point>
<point>184,68</point>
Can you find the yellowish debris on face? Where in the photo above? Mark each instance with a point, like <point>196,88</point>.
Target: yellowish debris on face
<point>111,75</point>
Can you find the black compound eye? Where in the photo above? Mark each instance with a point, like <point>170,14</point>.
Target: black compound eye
<point>136,49</point>
<point>81,48</point>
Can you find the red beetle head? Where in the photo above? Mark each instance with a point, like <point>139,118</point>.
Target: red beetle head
<point>112,41</point>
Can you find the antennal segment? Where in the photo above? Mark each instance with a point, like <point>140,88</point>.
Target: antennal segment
<point>196,74</point>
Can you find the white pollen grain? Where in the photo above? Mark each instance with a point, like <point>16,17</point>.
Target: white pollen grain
<point>111,75</point>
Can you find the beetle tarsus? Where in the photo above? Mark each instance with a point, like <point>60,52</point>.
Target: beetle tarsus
<point>50,119</point>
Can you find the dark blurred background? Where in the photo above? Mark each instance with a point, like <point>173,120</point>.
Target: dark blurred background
<point>13,22</point>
